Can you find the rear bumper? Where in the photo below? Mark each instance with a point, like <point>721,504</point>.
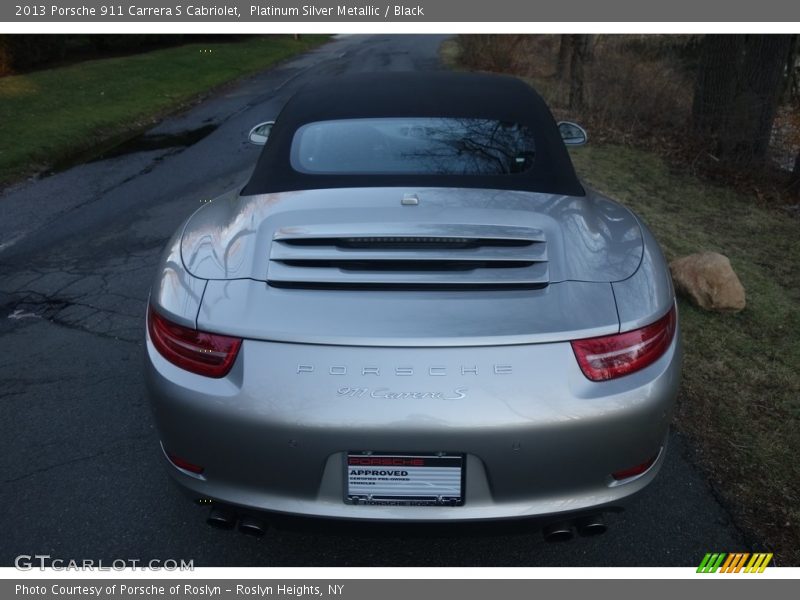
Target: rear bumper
<point>538,437</point>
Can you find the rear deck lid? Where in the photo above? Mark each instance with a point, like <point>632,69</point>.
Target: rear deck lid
<point>460,267</point>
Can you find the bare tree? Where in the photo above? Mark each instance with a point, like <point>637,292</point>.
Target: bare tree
<point>789,90</point>
<point>737,89</point>
<point>759,91</point>
<point>564,51</point>
<point>581,45</point>
<point>716,80</point>
<point>795,181</point>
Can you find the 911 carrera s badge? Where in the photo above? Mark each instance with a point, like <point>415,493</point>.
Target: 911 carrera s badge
<point>388,394</point>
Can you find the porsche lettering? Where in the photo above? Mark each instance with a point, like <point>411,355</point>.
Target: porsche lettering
<point>406,371</point>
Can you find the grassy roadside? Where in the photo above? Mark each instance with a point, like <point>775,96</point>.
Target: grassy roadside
<point>48,116</point>
<point>740,395</point>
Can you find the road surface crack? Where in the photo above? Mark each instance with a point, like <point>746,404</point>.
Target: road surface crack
<point>78,459</point>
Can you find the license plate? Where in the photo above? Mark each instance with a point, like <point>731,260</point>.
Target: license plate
<point>404,479</point>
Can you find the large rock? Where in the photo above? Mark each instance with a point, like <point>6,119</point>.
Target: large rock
<point>709,281</point>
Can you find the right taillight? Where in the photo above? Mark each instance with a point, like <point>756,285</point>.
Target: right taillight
<point>611,356</point>
<point>208,354</point>
<point>634,471</point>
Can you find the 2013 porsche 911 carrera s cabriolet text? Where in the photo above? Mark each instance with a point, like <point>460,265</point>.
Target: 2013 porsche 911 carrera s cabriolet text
<point>413,311</point>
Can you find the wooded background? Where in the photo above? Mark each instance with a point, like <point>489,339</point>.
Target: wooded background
<point>725,104</point>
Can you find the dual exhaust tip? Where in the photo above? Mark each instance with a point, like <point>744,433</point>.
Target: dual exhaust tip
<point>562,531</point>
<point>225,518</point>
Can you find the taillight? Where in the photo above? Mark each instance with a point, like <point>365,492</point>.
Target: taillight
<point>184,464</point>
<point>607,357</point>
<point>634,471</point>
<point>203,353</point>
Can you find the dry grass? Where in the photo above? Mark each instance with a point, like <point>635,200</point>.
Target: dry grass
<point>740,395</point>
<point>629,92</point>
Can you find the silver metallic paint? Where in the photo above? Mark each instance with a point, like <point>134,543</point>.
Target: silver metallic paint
<point>589,238</point>
<point>175,291</point>
<point>647,294</point>
<point>252,309</point>
<point>540,439</point>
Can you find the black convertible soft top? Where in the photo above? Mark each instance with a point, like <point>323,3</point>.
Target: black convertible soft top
<point>413,94</point>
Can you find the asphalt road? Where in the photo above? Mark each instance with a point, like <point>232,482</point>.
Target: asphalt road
<point>80,464</point>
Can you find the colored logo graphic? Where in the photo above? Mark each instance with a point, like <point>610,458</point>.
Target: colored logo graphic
<point>735,562</point>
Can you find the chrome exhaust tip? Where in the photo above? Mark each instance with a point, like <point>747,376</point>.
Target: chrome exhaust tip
<point>250,525</point>
<point>557,532</point>
<point>591,526</point>
<point>221,518</point>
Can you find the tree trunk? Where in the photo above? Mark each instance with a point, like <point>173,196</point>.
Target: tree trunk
<point>738,87</point>
<point>794,181</point>
<point>746,139</point>
<point>591,41</point>
<point>580,53</point>
<point>716,82</point>
<point>790,81</point>
<point>564,48</point>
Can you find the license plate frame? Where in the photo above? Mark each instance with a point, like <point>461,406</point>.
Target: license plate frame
<point>404,478</point>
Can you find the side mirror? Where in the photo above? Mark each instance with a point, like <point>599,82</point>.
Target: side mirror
<point>572,134</point>
<point>258,135</point>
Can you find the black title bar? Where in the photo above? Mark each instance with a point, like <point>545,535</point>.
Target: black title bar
<point>343,11</point>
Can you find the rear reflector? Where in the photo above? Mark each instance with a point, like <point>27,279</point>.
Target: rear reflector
<point>607,357</point>
<point>184,464</point>
<point>203,353</point>
<point>634,471</point>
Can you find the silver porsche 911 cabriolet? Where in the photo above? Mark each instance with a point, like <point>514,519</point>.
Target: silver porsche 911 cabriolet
<point>413,311</point>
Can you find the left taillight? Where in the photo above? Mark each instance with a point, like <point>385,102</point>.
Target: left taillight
<point>184,464</point>
<point>613,356</point>
<point>208,354</point>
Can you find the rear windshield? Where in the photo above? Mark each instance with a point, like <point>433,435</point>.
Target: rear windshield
<point>443,146</point>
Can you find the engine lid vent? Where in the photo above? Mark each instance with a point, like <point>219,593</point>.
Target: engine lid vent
<point>408,256</point>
